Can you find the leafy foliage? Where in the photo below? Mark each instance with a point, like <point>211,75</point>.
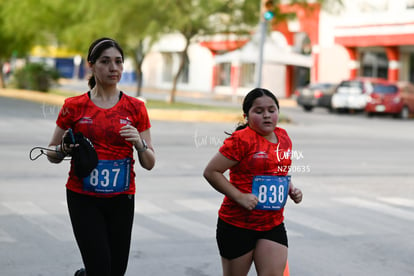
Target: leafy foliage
<point>35,76</point>
<point>135,24</point>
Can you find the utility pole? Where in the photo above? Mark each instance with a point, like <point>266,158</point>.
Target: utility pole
<point>266,15</point>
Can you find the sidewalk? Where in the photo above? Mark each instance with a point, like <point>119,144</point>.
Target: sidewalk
<point>196,97</point>
<point>155,94</point>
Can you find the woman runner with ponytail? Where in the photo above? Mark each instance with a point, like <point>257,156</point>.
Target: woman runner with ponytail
<point>250,226</point>
<point>101,205</point>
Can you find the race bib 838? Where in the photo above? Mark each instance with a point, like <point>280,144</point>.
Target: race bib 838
<point>271,190</point>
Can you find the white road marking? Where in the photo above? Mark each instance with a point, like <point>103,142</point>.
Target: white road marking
<point>192,227</point>
<point>57,228</point>
<point>376,206</point>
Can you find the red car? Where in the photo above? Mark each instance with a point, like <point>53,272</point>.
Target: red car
<point>394,98</point>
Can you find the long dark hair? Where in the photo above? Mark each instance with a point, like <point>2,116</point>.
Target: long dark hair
<point>249,99</point>
<point>95,51</point>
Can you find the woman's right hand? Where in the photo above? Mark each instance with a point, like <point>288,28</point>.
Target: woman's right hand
<point>68,142</point>
<point>247,201</point>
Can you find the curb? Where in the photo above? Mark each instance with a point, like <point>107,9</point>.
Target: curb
<point>154,114</point>
<point>35,96</point>
<point>194,115</point>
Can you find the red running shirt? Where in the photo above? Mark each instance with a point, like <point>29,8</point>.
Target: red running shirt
<point>101,126</point>
<point>255,156</point>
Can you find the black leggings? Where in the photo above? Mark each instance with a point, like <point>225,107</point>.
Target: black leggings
<point>102,228</point>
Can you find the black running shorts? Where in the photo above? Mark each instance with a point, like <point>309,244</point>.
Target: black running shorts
<point>234,241</point>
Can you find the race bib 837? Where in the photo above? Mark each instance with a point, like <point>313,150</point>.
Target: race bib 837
<point>109,176</point>
<point>271,190</point>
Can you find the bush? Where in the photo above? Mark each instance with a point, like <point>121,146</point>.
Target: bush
<point>35,76</point>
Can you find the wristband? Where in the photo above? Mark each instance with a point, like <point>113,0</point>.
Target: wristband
<point>144,148</point>
<point>62,148</point>
<point>59,153</point>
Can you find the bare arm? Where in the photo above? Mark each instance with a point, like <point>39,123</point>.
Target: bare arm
<point>213,173</point>
<point>146,158</point>
<point>56,154</point>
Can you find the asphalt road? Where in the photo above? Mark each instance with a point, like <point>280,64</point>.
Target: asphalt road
<point>356,217</point>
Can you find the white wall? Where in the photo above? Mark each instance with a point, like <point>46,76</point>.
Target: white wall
<point>201,65</point>
<point>274,79</point>
<point>334,60</point>
<point>201,69</point>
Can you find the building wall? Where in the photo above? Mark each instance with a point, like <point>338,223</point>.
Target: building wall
<point>201,69</point>
<point>333,64</point>
<point>378,20</point>
<point>331,58</point>
<point>200,66</point>
<point>274,78</point>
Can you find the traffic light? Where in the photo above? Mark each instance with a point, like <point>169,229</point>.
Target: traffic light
<point>268,9</point>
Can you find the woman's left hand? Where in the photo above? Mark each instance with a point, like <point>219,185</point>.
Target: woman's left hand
<point>145,151</point>
<point>296,195</point>
<point>131,134</point>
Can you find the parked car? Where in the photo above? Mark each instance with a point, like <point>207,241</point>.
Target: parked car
<point>353,94</point>
<point>315,95</point>
<point>396,99</point>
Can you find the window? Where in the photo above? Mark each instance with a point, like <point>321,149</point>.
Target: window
<point>184,77</point>
<point>246,77</point>
<point>374,65</point>
<point>351,87</point>
<point>223,74</point>
<point>167,72</point>
<point>247,74</point>
<point>385,89</point>
<point>411,68</point>
<point>170,69</point>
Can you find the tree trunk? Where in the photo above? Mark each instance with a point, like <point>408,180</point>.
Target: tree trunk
<point>138,71</point>
<point>2,79</point>
<point>139,56</point>
<point>183,58</point>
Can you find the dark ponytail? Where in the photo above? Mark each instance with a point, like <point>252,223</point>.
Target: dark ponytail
<point>241,126</point>
<point>91,81</point>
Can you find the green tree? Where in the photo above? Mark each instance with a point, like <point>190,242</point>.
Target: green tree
<point>203,18</point>
<point>27,23</point>
<point>135,24</point>
<point>13,43</point>
<point>138,25</point>
<point>74,24</point>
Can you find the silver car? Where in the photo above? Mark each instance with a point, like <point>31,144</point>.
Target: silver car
<point>315,95</point>
<point>353,95</point>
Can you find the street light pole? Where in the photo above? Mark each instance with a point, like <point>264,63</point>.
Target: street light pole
<point>266,14</point>
<point>262,40</point>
